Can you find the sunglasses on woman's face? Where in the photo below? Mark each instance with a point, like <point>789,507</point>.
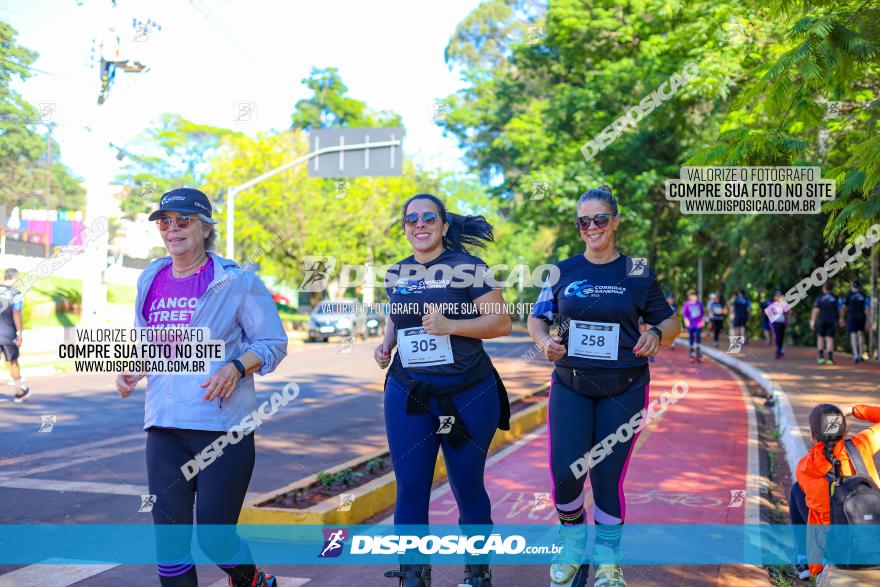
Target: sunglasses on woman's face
<point>600,220</point>
<point>181,221</point>
<point>413,218</point>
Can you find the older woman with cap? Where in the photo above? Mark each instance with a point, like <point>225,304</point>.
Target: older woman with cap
<point>187,413</point>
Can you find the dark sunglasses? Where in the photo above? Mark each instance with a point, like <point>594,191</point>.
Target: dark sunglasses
<point>181,221</point>
<point>427,218</point>
<point>600,220</point>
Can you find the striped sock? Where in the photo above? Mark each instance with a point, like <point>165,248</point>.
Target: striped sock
<point>572,517</point>
<point>607,546</point>
<point>182,574</point>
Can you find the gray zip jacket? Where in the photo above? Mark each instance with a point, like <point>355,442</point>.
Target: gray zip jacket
<point>239,310</point>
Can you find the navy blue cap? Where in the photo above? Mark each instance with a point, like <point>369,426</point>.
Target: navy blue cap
<point>185,201</point>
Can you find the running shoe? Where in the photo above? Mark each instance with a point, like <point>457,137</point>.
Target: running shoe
<point>412,575</point>
<point>829,361</point>
<point>803,569</point>
<point>820,361</point>
<point>691,358</point>
<point>261,579</point>
<point>579,579</point>
<point>777,354</point>
<point>699,358</point>
<point>567,562</point>
<point>608,576</point>
<point>476,576</point>
<point>23,392</point>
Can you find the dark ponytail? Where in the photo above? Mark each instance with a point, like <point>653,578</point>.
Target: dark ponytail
<point>828,426</point>
<point>601,193</point>
<point>463,232</point>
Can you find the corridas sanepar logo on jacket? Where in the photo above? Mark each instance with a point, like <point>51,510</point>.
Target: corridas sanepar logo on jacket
<point>410,286</point>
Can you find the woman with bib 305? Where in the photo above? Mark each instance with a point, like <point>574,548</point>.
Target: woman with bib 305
<point>600,382</point>
<point>441,389</point>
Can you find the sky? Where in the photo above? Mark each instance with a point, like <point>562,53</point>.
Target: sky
<point>212,56</point>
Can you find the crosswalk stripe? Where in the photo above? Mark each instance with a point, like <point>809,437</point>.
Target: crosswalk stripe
<point>59,574</point>
<point>75,486</point>
<point>282,582</point>
<point>67,451</point>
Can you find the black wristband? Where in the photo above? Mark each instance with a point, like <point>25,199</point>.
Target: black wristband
<point>656,331</point>
<point>237,364</point>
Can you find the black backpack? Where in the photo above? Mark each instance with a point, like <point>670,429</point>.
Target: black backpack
<point>855,514</point>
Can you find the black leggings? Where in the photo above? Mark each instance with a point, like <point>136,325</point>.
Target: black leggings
<point>779,335</point>
<point>220,487</point>
<point>717,329</point>
<point>799,513</point>
<point>576,424</point>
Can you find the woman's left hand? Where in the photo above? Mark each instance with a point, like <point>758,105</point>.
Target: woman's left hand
<point>648,345</point>
<point>222,383</point>
<point>437,324</point>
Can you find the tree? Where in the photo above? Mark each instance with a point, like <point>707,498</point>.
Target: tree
<point>23,151</point>
<point>329,106</point>
<point>175,152</point>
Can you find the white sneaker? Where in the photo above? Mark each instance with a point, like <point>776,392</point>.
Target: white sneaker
<point>573,539</point>
<point>25,391</point>
<point>608,576</point>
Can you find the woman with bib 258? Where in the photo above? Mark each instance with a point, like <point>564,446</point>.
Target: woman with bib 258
<point>440,371</point>
<point>600,381</point>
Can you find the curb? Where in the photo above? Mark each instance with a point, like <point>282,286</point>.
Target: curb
<point>790,433</point>
<point>380,493</point>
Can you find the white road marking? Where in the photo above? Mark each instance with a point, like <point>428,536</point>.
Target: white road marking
<point>59,574</point>
<point>282,582</point>
<point>96,455</point>
<point>63,452</point>
<point>73,486</point>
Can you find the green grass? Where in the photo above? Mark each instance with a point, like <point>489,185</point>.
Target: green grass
<point>121,294</point>
<point>54,319</point>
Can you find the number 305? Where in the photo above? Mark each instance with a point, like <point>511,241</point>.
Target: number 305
<point>424,345</point>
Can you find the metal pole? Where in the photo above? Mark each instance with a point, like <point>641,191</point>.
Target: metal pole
<point>521,283</point>
<point>700,277</point>
<point>230,223</point>
<point>875,310</point>
<point>230,199</point>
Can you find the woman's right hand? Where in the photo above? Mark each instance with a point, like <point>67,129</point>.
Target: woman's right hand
<point>552,348</point>
<point>126,382</point>
<point>382,356</point>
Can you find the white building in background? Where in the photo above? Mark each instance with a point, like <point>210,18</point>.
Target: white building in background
<point>135,238</point>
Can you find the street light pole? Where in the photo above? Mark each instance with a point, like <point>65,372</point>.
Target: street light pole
<point>233,191</point>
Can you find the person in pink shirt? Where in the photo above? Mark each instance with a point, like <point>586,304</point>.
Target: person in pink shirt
<point>693,313</point>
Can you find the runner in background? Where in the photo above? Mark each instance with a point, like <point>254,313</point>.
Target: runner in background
<point>827,311</point>
<point>781,313</point>
<point>717,312</point>
<point>692,312</point>
<point>11,304</point>
<point>740,305</point>
<point>858,319</point>
<point>766,329</point>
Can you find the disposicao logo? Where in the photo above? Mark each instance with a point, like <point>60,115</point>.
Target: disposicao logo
<point>334,541</point>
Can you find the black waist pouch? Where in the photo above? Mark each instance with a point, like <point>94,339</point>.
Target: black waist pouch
<point>602,382</point>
